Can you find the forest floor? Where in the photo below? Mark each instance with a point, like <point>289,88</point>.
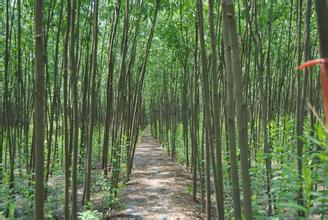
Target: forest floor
<point>158,187</point>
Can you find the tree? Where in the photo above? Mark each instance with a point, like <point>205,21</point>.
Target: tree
<point>241,110</point>
<point>39,103</point>
<point>322,9</point>
<point>109,94</point>
<point>75,123</point>
<point>206,105</point>
<point>230,118</point>
<point>65,111</point>
<point>86,194</point>
<point>216,162</point>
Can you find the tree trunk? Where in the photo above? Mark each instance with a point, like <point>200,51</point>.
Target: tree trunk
<point>216,165</point>
<point>39,104</point>
<point>109,95</point>
<point>66,112</point>
<point>75,128</point>
<point>230,117</point>
<point>322,18</point>
<point>207,122</point>
<point>87,185</point>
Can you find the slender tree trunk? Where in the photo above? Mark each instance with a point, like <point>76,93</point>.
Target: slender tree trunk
<point>39,104</point>
<point>109,94</point>
<point>6,95</point>
<point>194,137</point>
<point>266,116</point>
<point>118,129</point>
<point>216,166</point>
<point>230,117</point>
<point>299,113</point>
<point>241,107</point>
<point>322,18</point>
<point>66,113</point>
<point>75,128</point>
<point>207,122</point>
<point>93,102</point>
<point>55,95</point>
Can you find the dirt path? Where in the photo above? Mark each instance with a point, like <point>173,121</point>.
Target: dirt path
<point>158,187</point>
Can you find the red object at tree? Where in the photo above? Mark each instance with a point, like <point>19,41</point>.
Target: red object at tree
<point>324,81</point>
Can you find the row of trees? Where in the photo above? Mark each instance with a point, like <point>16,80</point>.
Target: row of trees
<point>233,109</point>
<point>215,81</point>
<point>83,78</point>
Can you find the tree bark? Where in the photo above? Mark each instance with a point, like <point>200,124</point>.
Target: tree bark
<point>230,117</point>
<point>87,185</point>
<point>207,122</point>
<point>216,148</point>
<point>39,103</point>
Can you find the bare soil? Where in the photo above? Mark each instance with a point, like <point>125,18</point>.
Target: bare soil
<point>158,187</point>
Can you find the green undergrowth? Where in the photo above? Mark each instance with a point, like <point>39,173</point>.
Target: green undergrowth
<point>18,202</point>
<point>284,183</point>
